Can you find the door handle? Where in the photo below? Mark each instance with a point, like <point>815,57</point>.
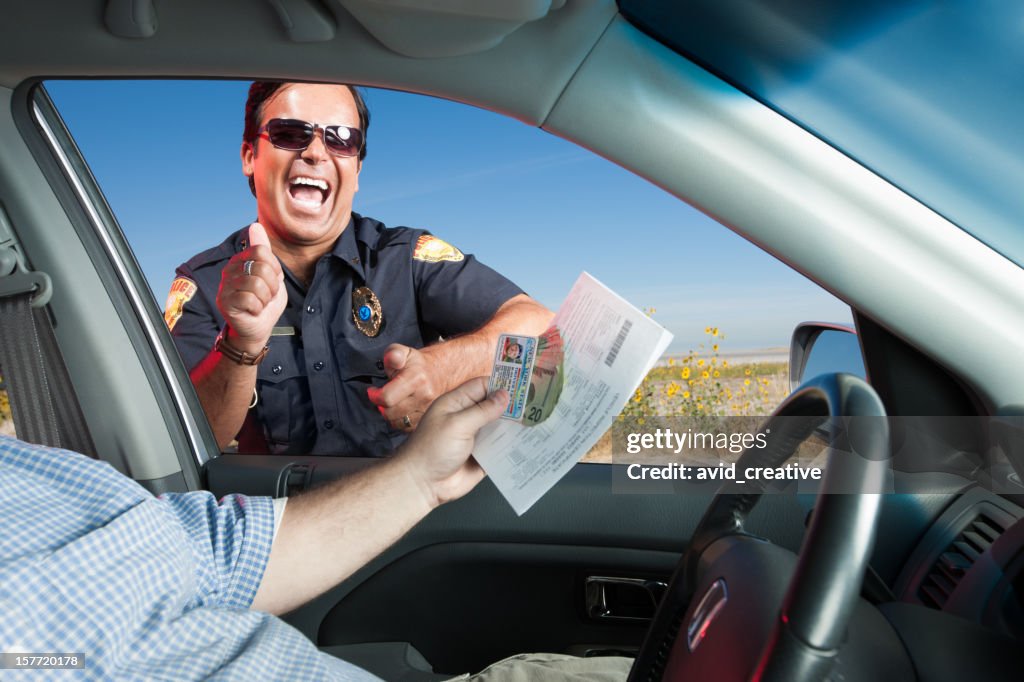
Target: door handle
<point>623,599</point>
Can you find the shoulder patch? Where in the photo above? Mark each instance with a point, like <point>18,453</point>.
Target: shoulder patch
<point>182,291</point>
<point>433,250</point>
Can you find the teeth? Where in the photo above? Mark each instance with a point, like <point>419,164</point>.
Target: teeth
<point>319,184</point>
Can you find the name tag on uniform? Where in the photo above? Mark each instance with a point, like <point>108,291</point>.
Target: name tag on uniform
<point>283,331</point>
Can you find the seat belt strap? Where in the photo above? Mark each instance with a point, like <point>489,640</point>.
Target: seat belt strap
<point>43,402</point>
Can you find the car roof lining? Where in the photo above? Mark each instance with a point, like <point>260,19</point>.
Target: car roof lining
<point>522,76</point>
<point>441,28</point>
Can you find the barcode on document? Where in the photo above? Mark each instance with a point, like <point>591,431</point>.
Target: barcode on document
<point>617,346</point>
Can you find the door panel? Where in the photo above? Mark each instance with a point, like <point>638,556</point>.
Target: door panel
<point>473,583</point>
<point>466,605</point>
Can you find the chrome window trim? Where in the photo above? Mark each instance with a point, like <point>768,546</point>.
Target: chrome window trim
<point>192,429</point>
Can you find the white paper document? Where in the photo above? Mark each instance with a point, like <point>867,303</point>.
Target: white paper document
<point>609,346</point>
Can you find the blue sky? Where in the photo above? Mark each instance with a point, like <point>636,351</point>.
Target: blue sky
<point>529,204</point>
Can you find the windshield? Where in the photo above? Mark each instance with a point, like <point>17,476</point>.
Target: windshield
<point>928,95</point>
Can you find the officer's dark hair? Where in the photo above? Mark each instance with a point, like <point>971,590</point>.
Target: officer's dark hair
<point>261,91</point>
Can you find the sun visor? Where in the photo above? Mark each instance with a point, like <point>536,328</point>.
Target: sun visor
<point>131,18</point>
<point>445,28</point>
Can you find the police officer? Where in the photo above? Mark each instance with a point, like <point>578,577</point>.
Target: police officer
<point>316,330</point>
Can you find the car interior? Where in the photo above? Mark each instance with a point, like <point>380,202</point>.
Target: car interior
<point>758,114</point>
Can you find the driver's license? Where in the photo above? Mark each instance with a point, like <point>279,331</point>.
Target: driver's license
<point>513,367</point>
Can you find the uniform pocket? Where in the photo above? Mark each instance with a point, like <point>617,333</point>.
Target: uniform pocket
<point>282,390</point>
<point>362,356</point>
<point>361,365</point>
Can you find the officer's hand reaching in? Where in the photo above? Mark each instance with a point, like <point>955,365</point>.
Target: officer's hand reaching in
<point>252,294</point>
<point>415,379</point>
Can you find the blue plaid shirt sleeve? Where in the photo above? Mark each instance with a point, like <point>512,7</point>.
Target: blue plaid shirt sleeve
<point>143,588</point>
<point>230,543</point>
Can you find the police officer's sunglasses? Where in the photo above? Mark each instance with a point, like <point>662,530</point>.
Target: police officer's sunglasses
<point>295,135</point>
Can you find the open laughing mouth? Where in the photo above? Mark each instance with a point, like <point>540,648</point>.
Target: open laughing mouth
<point>309,193</point>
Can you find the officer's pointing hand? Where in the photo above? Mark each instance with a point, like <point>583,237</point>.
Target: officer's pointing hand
<point>252,298</point>
<point>414,381</point>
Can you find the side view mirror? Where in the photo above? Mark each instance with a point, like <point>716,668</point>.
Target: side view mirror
<point>820,347</point>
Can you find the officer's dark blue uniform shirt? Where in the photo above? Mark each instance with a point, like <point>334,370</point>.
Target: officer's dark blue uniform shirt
<point>311,386</point>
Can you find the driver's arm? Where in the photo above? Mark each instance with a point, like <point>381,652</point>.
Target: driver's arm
<point>329,533</point>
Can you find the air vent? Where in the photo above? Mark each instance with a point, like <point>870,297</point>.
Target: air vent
<point>958,558</point>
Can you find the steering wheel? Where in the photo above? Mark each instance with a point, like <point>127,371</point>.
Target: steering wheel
<point>737,607</point>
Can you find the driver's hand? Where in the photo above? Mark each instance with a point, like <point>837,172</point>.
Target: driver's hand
<point>438,455</point>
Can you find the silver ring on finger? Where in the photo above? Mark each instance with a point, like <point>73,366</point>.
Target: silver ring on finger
<point>247,267</point>
<point>406,422</point>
